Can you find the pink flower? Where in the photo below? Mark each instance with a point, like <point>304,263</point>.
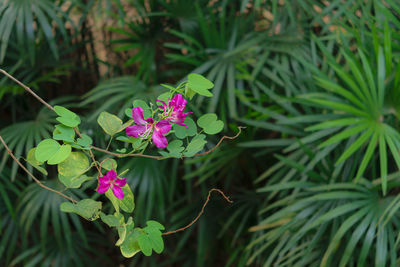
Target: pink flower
<point>144,128</point>
<point>111,180</point>
<point>174,111</point>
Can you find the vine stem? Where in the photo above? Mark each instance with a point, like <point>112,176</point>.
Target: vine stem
<point>31,175</point>
<point>201,212</point>
<point>29,90</point>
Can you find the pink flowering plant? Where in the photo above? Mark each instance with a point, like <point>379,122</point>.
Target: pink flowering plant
<point>158,129</point>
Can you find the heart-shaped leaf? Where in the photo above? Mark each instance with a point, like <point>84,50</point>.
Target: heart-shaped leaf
<point>52,152</point>
<point>64,133</point>
<point>200,84</point>
<point>87,208</point>
<point>182,132</point>
<point>67,117</point>
<point>210,123</point>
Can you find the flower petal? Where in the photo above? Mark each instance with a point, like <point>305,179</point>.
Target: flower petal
<point>111,174</point>
<point>117,191</point>
<point>178,103</point>
<point>135,130</point>
<point>162,127</point>
<point>159,140</point>
<point>120,182</point>
<point>101,189</point>
<point>137,114</point>
<point>164,105</point>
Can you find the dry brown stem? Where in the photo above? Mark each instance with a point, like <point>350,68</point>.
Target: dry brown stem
<point>31,175</point>
<point>201,212</point>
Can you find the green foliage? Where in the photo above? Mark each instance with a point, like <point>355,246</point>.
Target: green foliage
<point>20,16</point>
<point>87,208</point>
<point>67,117</point>
<point>52,152</point>
<point>110,123</point>
<point>210,124</point>
<point>182,132</point>
<point>314,177</point>
<point>126,204</point>
<point>198,84</point>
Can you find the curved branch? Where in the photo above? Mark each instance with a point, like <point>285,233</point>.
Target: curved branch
<point>29,90</point>
<point>31,175</point>
<point>201,212</point>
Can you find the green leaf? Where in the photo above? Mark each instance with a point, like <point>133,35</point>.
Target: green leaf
<point>145,244</point>
<point>122,235</point>
<point>165,96</point>
<point>128,112</point>
<point>85,141</point>
<point>195,146</point>
<point>175,146</point>
<point>200,84</point>
<point>144,106</point>
<point>31,159</point>
<point>150,238</point>
<point>64,133</point>
<point>67,117</point>
<point>52,152</point>
<point>130,246</point>
<point>210,123</point>
<point>110,164</point>
<point>46,149</point>
<point>127,204</point>
<point>87,208</point>
<point>183,132</point>
<point>73,182</point>
<point>75,165</point>
<point>64,112</point>
<point>110,123</point>
<point>60,155</point>
<point>155,224</point>
<point>110,220</point>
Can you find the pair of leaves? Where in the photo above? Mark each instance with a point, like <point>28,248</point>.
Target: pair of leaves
<point>51,151</point>
<point>174,148</point>
<point>210,123</point>
<point>145,240</point>
<point>198,84</point>
<point>196,145</point>
<point>64,133</point>
<point>67,117</point>
<point>182,132</point>
<point>87,208</point>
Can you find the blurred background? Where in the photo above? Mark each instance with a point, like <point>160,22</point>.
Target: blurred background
<point>263,57</point>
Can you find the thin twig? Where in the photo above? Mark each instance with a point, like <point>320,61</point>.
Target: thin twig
<point>220,141</point>
<point>201,212</point>
<point>120,155</point>
<point>31,175</point>
<point>29,90</point>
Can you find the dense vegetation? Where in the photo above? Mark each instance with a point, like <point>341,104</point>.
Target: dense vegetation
<point>314,177</point>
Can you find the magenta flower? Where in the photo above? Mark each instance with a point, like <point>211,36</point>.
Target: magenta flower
<point>144,128</point>
<point>173,112</point>
<point>111,180</point>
